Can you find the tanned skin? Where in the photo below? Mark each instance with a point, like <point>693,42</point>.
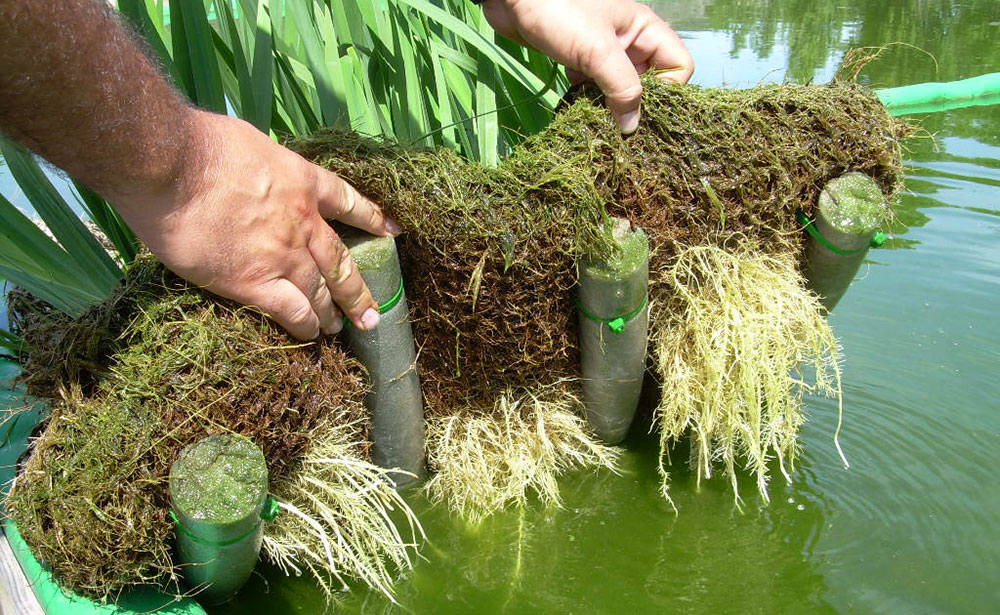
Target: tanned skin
<point>217,201</point>
<point>73,83</point>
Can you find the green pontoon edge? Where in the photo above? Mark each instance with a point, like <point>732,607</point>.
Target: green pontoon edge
<point>15,427</point>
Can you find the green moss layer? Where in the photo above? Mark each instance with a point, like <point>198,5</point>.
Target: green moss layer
<point>92,500</point>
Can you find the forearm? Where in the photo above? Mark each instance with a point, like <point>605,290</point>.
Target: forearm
<point>78,90</point>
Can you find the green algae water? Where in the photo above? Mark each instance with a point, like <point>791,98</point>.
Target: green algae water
<point>913,525</point>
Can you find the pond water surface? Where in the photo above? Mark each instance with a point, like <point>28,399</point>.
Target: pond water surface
<point>913,525</point>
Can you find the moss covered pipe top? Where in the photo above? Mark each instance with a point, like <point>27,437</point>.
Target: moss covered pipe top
<point>220,479</point>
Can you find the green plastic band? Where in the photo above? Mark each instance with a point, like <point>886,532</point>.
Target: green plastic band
<point>270,510</point>
<point>202,541</point>
<point>388,305</point>
<point>616,324</point>
<point>391,303</point>
<point>878,239</point>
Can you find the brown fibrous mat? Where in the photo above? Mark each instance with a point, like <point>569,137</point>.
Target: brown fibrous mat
<point>156,367</point>
<point>489,253</point>
<point>489,265</point>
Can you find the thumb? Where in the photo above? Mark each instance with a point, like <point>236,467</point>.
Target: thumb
<point>615,74</point>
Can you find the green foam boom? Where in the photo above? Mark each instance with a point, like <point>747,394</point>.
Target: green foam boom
<point>933,96</point>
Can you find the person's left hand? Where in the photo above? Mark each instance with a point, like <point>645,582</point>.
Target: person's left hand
<point>609,41</point>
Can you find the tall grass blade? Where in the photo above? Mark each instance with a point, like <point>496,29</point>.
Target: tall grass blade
<point>332,104</point>
<point>195,56</point>
<point>111,224</point>
<point>295,99</point>
<point>262,66</point>
<point>11,345</point>
<point>147,18</point>
<point>32,260</point>
<point>65,226</point>
<point>484,45</point>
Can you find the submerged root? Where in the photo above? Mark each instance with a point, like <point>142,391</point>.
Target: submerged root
<point>486,461</point>
<point>732,353</point>
<point>337,519</point>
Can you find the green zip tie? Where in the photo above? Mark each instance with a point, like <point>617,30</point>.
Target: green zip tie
<point>878,239</point>
<point>388,305</point>
<point>270,510</point>
<point>202,541</point>
<point>617,324</point>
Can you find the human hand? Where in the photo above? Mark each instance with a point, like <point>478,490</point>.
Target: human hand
<point>246,219</point>
<point>609,41</point>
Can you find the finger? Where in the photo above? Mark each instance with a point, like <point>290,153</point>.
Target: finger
<point>285,303</point>
<point>346,286</point>
<point>313,286</point>
<point>338,320</point>
<point>658,47</point>
<point>338,200</point>
<point>609,66</point>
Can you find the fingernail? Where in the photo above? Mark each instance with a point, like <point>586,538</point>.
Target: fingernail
<point>393,228</point>
<point>369,320</point>
<point>335,327</point>
<point>629,122</point>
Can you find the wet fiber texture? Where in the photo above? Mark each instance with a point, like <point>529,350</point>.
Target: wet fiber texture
<point>489,262</point>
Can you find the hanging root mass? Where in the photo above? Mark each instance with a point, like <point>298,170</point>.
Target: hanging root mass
<point>485,461</point>
<point>732,351</point>
<point>339,518</point>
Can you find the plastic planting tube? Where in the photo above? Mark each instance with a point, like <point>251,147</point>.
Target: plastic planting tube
<point>931,97</point>
<point>850,211</point>
<point>389,355</point>
<point>614,317</point>
<point>218,488</point>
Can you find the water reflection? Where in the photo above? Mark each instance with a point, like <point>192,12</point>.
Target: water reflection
<point>956,39</point>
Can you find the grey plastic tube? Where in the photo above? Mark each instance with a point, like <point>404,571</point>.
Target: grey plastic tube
<point>851,209</point>
<point>218,487</point>
<point>389,355</point>
<point>613,354</point>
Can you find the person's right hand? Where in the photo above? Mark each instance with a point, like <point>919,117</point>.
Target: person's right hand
<point>609,41</point>
<point>246,219</point>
